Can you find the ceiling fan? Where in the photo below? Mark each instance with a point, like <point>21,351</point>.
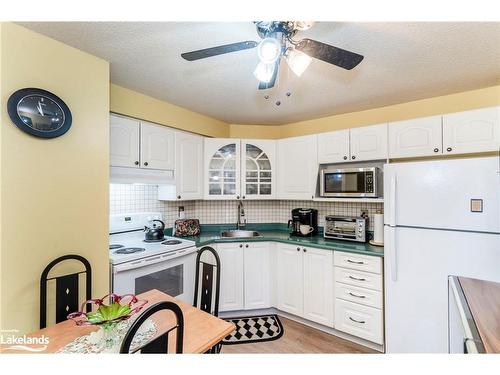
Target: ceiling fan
<point>277,41</point>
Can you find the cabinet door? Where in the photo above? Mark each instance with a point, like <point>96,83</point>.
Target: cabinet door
<point>257,275</point>
<point>471,131</point>
<point>222,168</point>
<point>290,281</point>
<point>231,279</point>
<point>189,166</point>
<point>369,142</point>
<point>333,147</point>
<point>318,285</point>
<point>413,138</point>
<point>124,142</point>
<point>258,169</point>
<point>157,147</point>
<point>297,167</point>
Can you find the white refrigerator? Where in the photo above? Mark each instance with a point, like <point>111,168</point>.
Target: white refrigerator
<point>441,218</point>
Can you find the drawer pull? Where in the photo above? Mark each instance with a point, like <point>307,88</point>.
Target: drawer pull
<point>352,261</point>
<point>357,321</point>
<point>356,295</point>
<point>355,278</point>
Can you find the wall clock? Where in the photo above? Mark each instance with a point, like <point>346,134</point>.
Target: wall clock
<point>39,112</point>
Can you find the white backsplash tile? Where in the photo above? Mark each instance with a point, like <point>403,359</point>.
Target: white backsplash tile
<point>126,198</point>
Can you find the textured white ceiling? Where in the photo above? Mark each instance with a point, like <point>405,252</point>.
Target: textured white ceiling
<point>403,62</point>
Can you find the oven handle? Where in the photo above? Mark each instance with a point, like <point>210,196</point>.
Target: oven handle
<point>146,261</point>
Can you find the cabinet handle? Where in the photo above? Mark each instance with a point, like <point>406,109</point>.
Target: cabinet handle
<point>178,197</point>
<point>449,149</point>
<point>304,250</point>
<point>345,157</point>
<point>352,261</point>
<point>298,249</point>
<point>241,245</point>
<point>357,321</point>
<point>246,245</point>
<point>237,197</point>
<point>353,157</point>
<point>357,296</point>
<point>146,163</point>
<point>436,149</point>
<point>355,278</point>
<point>136,162</point>
<point>243,197</point>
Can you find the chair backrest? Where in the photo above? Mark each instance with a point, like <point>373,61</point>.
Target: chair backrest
<point>160,344</point>
<point>208,299</point>
<point>67,289</point>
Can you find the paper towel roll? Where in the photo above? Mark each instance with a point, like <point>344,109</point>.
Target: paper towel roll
<point>378,228</point>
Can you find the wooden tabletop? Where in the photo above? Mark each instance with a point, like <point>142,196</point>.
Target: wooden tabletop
<point>483,298</point>
<point>201,330</point>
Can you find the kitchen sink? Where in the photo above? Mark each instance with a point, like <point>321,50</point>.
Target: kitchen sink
<point>239,234</point>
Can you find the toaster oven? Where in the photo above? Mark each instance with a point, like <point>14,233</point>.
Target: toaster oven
<point>345,228</point>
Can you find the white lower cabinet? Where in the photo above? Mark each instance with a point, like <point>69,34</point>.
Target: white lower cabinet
<point>231,280</point>
<point>257,275</point>
<point>289,280</point>
<point>359,320</point>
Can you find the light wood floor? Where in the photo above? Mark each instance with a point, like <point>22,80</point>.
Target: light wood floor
<point>299,338</point>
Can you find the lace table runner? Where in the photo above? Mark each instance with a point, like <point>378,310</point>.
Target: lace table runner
<point>90,344</point>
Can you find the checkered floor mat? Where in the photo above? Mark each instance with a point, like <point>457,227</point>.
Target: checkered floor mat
<point>254,329</point>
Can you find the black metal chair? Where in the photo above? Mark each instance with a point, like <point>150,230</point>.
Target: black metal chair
<point>67,289</point>
<point>206,298</point>
<point>160,344</point>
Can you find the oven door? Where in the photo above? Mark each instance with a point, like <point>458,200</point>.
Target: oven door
<point>174,277</point>
<point>352,182</point>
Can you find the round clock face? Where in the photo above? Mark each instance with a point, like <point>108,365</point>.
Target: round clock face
<point>39,113</point>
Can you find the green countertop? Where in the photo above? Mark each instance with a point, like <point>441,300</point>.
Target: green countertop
<point>277,232</point>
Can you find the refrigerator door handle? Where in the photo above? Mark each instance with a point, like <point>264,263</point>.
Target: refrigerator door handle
<point>392,201</point>
<point>393,254</point>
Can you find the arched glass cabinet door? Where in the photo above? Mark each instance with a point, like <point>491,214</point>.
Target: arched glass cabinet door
<point>257,170</point>
<point>222,172</point>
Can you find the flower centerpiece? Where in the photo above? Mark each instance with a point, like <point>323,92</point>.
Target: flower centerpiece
<point>108,316</point>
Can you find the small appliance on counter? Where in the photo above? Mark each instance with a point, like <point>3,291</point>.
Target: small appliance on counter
<point>304,222</point>
<point>346,228</point>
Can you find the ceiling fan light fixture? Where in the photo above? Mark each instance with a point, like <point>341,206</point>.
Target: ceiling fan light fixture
<point>298,61</point>
<point>264,72</point>
<point>269,50</point>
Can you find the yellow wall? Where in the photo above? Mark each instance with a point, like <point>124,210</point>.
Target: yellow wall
<point>134,104</point>
<point>463,101</point>
<point>54,193</point>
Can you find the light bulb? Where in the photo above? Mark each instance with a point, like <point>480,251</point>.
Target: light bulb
<point>264,72</point>
<point>269,50</point>
<point>298,61</point>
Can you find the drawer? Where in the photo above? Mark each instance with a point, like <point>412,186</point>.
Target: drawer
<point>358,278</point>
<point>358,262</point>
<point>356,294</point>
<point>358,320</point>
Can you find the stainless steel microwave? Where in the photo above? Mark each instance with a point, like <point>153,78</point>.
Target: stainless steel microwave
<point>350,182</point>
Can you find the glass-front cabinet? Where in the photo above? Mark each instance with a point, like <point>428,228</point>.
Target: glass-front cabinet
<point>239,169</point>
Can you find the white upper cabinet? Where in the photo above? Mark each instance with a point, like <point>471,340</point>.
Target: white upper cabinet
<point>124,141</point>
<point>258,169</point>
<point>297,167</point>
<point>413,138</point>
<point>222,168</point>
<point>471,131</point>
<point>157,147</point>
<point>333,147</point>
<point>368,143</point>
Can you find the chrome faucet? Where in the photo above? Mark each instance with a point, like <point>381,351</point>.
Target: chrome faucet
<point>241,221</point>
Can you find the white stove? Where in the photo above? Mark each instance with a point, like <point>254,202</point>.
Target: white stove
<point>138,265</point>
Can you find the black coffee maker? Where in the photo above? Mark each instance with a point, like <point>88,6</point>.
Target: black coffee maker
<point>303,216</point>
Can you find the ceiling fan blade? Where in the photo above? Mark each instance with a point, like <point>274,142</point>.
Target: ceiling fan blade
<point>270,84</point>
<point>330,54</point>
<point>219,50</point>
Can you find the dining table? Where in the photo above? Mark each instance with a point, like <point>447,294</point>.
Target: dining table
<point>202,331</point>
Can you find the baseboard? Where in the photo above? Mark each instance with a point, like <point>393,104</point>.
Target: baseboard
<point>330,331</point>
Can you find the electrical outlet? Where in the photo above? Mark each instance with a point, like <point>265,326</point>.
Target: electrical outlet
<point>364,213</point>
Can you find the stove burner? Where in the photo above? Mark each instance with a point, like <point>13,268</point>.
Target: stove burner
<point>115,246</point>
<point>130,250</point>
<point>171,242</point>
<point>153,240</point>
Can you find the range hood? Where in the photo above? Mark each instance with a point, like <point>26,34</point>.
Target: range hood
<point>124,175</point>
